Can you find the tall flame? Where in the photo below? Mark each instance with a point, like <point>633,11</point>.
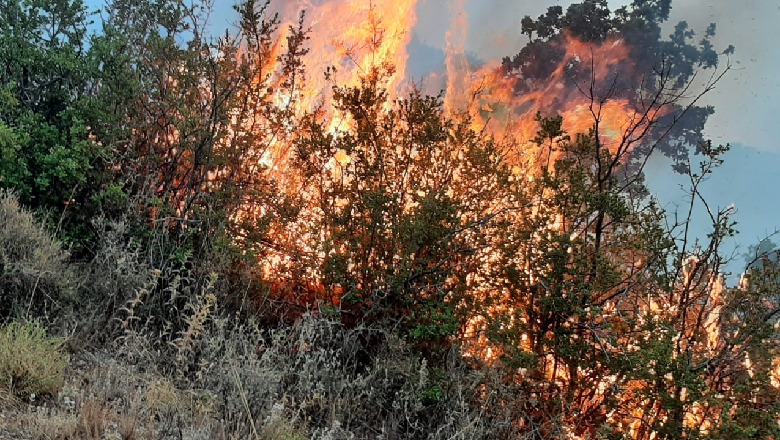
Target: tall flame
<point>353,37</point>
<point>581,100</point>
<point>457,65</point>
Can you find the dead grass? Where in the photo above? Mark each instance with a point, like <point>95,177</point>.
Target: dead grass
<point>303,382</point>
<point>102,398</point>
<point>280,429</point>
<point>157,357</point>
<point>31,363</point>
<point>35,277</point>
<point>93,418</point>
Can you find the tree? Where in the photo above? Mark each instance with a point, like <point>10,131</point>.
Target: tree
<point>48,152</point>
<point>607,319</point>
<point>656,67</point>
<point>391,200</point>
<point>189,121</point>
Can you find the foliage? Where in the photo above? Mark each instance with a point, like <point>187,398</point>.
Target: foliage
<point>31,362</point>
<point>49,156</point>
<point>323,288</point>
<point>400,190</point>
<point>614,320</point>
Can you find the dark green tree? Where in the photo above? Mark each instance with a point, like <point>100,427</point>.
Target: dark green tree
<point>49,155</point>
<point>655,74</point>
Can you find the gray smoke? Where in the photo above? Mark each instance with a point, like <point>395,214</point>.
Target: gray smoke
<point>748,100</point>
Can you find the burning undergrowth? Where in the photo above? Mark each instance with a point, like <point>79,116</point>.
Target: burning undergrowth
<point>535,230</point>
<point>291,176</point>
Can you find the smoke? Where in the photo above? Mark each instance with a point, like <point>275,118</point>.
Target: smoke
<point>747,100</point>
<point>494,24</point>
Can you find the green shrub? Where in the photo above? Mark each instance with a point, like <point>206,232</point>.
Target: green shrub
<point>31,363</point>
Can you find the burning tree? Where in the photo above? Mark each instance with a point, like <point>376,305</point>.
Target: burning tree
<point>590,55</point>
<point>605,313</point>
<point>393,198</point>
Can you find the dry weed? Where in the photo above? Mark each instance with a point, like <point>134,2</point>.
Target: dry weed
<point>318,377</point>
<point>31,363</point>
<point>92,420</point>
<point>35,276</point>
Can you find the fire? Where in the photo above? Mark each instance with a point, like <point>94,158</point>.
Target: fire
<point>352,40</point>
<point>457,64</point>
<point>579,89</point>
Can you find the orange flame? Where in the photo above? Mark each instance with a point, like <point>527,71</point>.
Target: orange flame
<point>457,65</point>
<point>354,37</point>
<point>497,108</point>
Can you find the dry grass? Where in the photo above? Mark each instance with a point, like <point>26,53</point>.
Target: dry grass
<point>279,429</point>
<point>93,419</point>
<point>103,398</point>
<point>35,276</point>
<point>178,366</point>
<point>317,380</point>
<point>31,363</point>
<point>304,382</point>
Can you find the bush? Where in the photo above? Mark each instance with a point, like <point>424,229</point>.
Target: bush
<point>282,430</point>
<point>31,363</point>
<point>335,382</point>
<point>130,292</point>
<point>34,274</point>
<point>116,274</point>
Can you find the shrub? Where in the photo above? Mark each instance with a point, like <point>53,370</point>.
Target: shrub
<point>34,274</point>
<point>278,429</point>
<point>335,382</point>
<point>116,274</point>
<point>31,363</point>
<point>130,292</point>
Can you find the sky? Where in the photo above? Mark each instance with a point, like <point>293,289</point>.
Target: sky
<point>746,101</point>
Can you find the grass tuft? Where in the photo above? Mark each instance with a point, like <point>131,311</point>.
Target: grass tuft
<point>31,363</point>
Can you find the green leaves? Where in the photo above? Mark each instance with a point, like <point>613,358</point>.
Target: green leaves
<point>48,151</point>
<point>393,193</point>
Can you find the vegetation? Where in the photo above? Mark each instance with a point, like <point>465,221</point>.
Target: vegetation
<point>35,276</point>
<point>31,363</point>
<point>219,261</point>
